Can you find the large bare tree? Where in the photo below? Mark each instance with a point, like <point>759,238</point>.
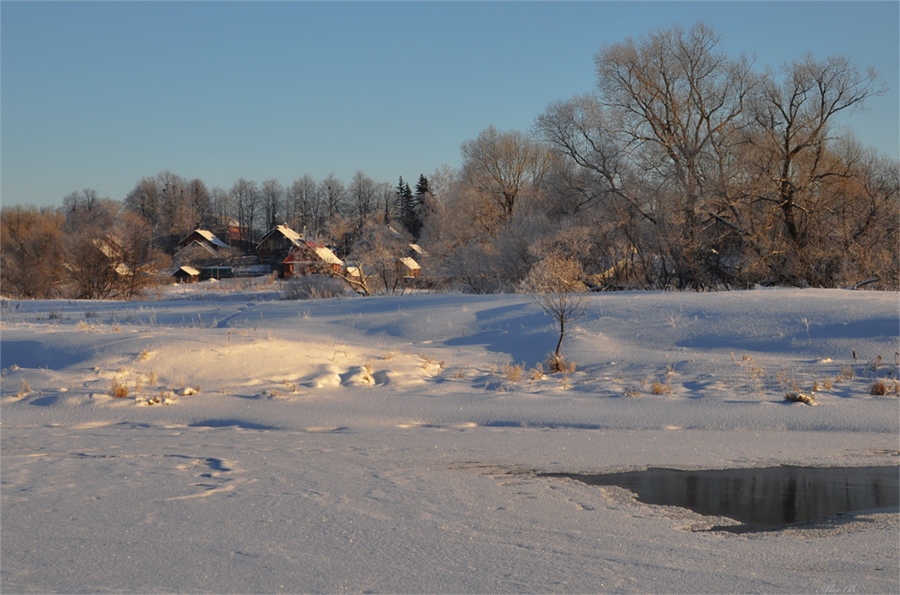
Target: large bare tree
<point>677,102</point>
<point>793,123</point>
<point>502,168</point>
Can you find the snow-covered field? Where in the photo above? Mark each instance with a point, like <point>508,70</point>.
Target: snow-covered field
<point>392,444</point>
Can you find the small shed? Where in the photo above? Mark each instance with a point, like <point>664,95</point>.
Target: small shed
<point>409,267</point>
<point>186,274</point>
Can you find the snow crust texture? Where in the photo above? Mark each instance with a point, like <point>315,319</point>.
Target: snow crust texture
<point>229,442</point>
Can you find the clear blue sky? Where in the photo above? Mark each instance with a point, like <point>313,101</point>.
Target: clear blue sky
<point>99,95</point>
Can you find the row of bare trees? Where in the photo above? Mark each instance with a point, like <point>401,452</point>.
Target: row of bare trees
<point>684,168</point>
<point>174,205</point>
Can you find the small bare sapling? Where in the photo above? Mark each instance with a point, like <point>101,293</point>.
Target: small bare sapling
<point>555,285</point>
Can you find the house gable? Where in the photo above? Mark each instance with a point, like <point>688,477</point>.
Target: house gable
<point>278,243</point>
<point>204,237</point>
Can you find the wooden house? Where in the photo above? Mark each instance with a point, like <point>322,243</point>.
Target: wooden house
<point>309,258</point>
<point>186,274</point>
<point>287,252</point>
<point>277,244</point>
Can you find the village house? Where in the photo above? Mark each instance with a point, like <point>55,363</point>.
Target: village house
<point>288,253</point>
<point>309,258</point>
<point>201,248</point>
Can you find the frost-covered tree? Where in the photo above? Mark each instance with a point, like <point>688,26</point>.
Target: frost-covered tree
<point>502,168</point>
<point>556,286</point>
<point>31,252</point>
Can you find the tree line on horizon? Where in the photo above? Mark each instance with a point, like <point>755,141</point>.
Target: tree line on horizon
<point>684,168</point>
<point>67,251</point>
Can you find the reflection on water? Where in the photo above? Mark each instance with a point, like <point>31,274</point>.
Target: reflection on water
<point>763,497</point>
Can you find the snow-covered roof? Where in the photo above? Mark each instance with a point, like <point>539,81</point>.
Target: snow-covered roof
<point>188,269</point>
<point>289,233</point>
<point>295,238</point>
<point>410,263</point>
<point>211,238</point>
<point>104,247</point>
<point>201,245</point>
<point>328,256</point>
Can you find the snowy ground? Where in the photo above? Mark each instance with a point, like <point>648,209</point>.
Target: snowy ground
<point>391,444</point>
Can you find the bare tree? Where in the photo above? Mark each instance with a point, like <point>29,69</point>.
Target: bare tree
<point>172,205</point>
<point>362,195</point>
<point>245,198</point>
<point>304,205</point>
<point>141,262</point>
<point>87,209</point>
<point>793,122</point>
<point>555,285</point>
<point>92,265</point>
<point>144,199</point>
<point>378,251</point>
<point>201,204</point>
<point>384,201</point>
<point>271,196</point>
<point>31,252</point>
<point>676,101</point>
<point>333,196</point>
<point>220,205</point>
<point>501,167</point>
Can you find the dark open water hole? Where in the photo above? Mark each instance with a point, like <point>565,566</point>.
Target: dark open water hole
<point>765,498</point>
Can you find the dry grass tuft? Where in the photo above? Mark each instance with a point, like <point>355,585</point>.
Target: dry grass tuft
<point>427,360</point>
<point>557,363</point>
<point>800,398</point>
<point>658,388</point>
<point>118,389</point>
<point>883,388</point>
<point>513,372</point>
<point>846,373</point>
